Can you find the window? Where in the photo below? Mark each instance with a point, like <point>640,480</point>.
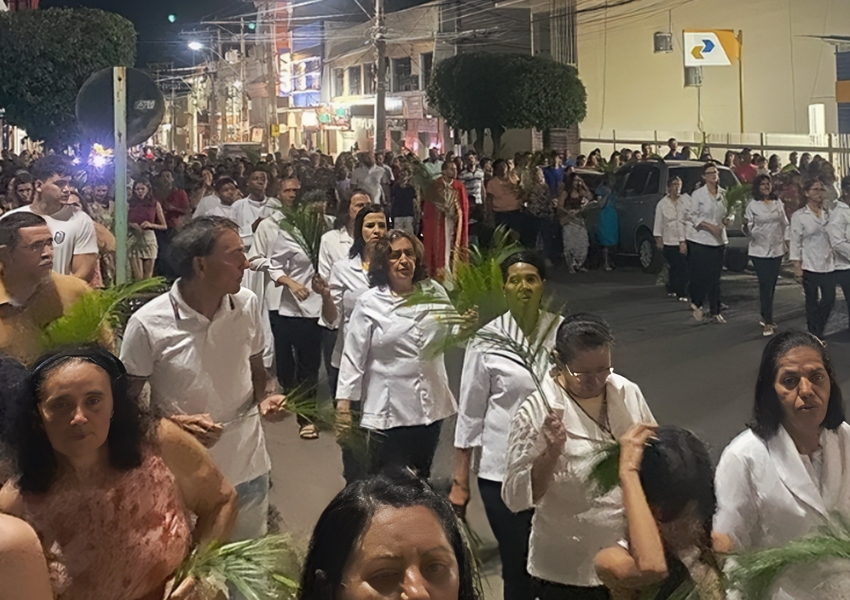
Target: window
<point>355,81</point>
<point>426,64</point>
<point>403,78</point>
<point>339,82</point>
<point>643,180</point>
<point>370,83</point>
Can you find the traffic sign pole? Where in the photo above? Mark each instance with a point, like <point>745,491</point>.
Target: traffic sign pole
<point>741,77</point>
<point>119,86</point>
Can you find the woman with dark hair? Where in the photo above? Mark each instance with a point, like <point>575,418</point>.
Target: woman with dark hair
<point>572,198</point>
<point>581,408</point>
<point>767,227</point>
<point>667,480</point>
<point>384,535</point>
<point>789,473</point>
<point>144,218</point>
<point>812,256</point>
<point>388,362</point>
<point>669,232</point>
<point>91,464</point>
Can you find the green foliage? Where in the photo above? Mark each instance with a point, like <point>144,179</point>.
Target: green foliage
<point>736,197</point>
<point>47,55</point>
<point>605,474</point>
<point>756,572</point>
<point>262,569</point>
<point>306,224</point>
<point>83,322</point>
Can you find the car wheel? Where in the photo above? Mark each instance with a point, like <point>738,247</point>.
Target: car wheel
<point>649,254</point>
<point>736,261</point>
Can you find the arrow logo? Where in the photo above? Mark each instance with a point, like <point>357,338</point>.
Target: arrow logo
<point>706,48</point>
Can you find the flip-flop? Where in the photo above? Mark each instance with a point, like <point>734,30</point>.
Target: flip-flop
<point>308,432</point>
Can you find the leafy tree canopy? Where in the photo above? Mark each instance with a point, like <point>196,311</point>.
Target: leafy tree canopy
<point>46,57</point>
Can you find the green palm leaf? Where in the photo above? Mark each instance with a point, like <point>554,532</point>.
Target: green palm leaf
<point>306,225</point>
<point>84,321</point>
<point>267,568</point>
<point>735,197</point>
<point>605,473</point>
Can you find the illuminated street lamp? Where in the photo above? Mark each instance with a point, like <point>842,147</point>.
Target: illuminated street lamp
<point>195,45</point>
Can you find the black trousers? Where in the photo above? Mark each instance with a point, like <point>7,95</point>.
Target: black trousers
<point>355,462</point>
<point>706,265</point>
<point>520,222</point>
<point>298,352</point>
<point>767,271</point>
<point>512,531</point>
<point>820,298</point>
<point>677,264</point>
<point>842,278</point>
<point>548,590</point>
<point>328,343</point>
<point>402,447</point>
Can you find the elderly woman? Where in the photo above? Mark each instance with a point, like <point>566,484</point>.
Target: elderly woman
<point>582,408</point>
<point>387,363</point>
<point>381,537</point>
<point>90,465</point>
<point>789,473</point>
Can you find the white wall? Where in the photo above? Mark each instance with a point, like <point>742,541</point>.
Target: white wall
<point>631,88</point>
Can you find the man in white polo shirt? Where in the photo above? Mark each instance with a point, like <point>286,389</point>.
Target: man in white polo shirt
<point>200,347</point>
<point>74,237</point>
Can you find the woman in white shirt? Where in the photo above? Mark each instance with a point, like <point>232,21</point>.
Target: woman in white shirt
<point>767,227</point>
<point>388,363</point>
<point>335,247</point>
<point>492,387</point>
<point>669,232</point>
<point>790,472</point>
<point>348,280</point>
<point>705,231</point>
<point>553,443</point>
<point>811,253</point>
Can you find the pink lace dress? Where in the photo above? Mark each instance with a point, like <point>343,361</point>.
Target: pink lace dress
<point>117,541</point>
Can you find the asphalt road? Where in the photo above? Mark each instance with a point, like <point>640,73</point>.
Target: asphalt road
<point>698,376</point>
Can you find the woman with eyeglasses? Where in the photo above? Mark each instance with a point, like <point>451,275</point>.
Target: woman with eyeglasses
<point>582,407</point>
<point>811,253</point>
<point>705,232</point>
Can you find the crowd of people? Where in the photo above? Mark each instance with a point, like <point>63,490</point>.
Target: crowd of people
<point>123,457</point>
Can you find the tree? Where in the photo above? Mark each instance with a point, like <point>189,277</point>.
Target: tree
<point>480,91</point>
<point>47,55</point>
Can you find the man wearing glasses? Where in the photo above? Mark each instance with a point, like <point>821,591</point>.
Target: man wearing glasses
<point>705,232</point>
<point>31,294</point>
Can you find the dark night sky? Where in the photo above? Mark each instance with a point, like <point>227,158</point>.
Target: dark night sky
<point>159,40</point>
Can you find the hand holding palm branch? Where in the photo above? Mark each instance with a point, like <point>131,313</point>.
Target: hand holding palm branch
<point>306,225</point>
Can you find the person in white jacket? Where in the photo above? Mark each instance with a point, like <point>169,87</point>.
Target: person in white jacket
<point>790,472</point>
<point>554,441</point>
<point>838,230</point>
<point>669,232</point>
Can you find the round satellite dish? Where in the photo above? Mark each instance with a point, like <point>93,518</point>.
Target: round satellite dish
<point>95,107</point>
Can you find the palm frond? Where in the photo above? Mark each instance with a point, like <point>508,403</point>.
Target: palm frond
<point>735,198</point>
<point>262,569</point>
<point>306,225</point>
<point>604,475</point>
<point>84,321</point>
<point>755,572</point>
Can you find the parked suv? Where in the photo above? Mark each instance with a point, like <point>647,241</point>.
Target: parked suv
<point>640,186</point>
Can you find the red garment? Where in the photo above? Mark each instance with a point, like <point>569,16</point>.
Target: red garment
<point>141,210</point>
<point>176,207</point>
<point>434,228</point>
<point>746,173</point>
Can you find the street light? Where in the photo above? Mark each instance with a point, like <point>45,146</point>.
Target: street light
<point>194,45</point>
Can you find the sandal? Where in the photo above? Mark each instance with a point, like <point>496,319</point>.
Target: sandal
<point>308,432</point>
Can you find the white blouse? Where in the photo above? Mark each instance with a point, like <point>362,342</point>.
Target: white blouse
<point>387,363</point>
<point>838,230</point>
<point>289,259</point>
<point>810,241</point>
<point>703,207</point>
<point>768,228</point>
<point>670,220</point>
<point>570,525</point>
<point>766,495</point>
<point>492,387</point>
<point>347,282</point>
<point>335,246</point>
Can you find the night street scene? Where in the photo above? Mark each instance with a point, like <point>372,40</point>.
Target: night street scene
<point>424,300</point>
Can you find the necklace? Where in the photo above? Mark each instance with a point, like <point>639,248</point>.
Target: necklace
<point>601,420</point>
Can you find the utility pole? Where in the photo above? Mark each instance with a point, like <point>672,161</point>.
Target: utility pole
<point>243,114</point>
<point>381,87</point>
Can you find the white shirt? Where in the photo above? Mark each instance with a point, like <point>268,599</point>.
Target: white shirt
<point>768,228</point>
<point>474,183</point>
<point>369,179</point>
<point>810,241</point>
<point>258,258</point>
<point>570,525</point>
<point>221,210</point>
<point>246,211</point>
<point>288,259</point>
<point>195,366</point>
<point>388,365</point>
<point>766,497</point>
<point>703,207</point>
<point>73,234</point>
<point>347,282</point>
<point>838,230</point>
<point>492,387</point>
<point>335,246</point>
<point>670,220</point>
<point>206,205</point>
